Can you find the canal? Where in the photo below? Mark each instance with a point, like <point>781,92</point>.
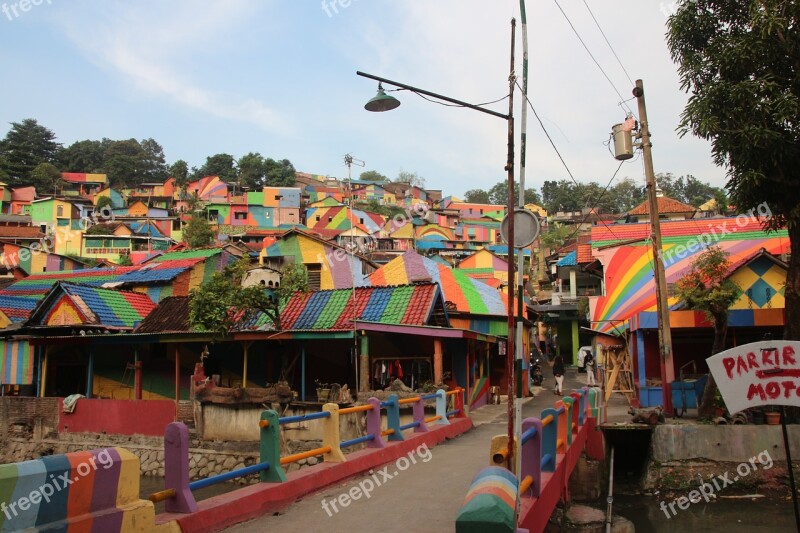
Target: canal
<point>729,515</point>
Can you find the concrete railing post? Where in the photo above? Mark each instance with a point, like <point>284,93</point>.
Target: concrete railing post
<point>441,407</point>
<point>548,441</point>
<point>271,448</point>
<point>418,414</point>
<point>563,426</point>
<point>330,434</point>
<point>570,404</point>
<point>393,418</point>
<point>532,456</point>
<point>176,469</point>
<point>374,424</point>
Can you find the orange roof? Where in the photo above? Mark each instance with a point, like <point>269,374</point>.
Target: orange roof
<point>665,205</point>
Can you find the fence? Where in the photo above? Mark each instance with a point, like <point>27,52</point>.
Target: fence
<point>561,431</point>
<point>178,491</point>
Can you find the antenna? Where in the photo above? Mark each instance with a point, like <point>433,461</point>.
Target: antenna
<point>349,161</point>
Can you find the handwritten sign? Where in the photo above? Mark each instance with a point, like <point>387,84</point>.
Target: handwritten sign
<point>761,373</point>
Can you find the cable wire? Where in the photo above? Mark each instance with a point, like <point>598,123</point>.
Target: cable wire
<point>609,43</point>
<point>575,31</point>
<point>548,135</point>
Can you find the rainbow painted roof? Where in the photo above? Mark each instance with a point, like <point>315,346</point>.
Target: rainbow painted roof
<point>408,305</point>
<point>92,305</point>
<point>467,294</point>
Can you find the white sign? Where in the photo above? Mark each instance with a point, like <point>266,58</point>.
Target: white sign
<point>761,373</point>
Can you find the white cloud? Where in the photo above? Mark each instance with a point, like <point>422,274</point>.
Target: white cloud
<point>151,44</point>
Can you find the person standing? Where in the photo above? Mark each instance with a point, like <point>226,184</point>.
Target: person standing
<point>558,373</point>
<point>588,363</point>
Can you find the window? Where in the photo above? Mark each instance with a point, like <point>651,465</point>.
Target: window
<point>317,217</point>
<point>314,276</point>
<point>242,215</point>
<point>330,219</point>
<point>278,196</point>
<point>360,220</point>
<point>60,211</point>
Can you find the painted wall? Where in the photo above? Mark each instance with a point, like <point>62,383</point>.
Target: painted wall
<point>338,268</point>
<point>122,417</point>
<point>763,284</point>
<point>629,286</point>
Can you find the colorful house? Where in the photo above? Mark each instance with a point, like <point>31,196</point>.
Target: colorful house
<point>350,222</point>
<point>472,307</point>
<point>64,220</point>
<point>329,265</point>
<point>22,261</point>
<point>629,301</point>
<point>374,192</point>
<point>84,184</point>
<point>208,189</point>
<point>668,209</point>
<point>485,266</point>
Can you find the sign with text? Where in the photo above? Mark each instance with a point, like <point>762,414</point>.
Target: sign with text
<point>760,373</point>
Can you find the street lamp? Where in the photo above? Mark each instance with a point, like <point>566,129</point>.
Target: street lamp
<point>384,102</point>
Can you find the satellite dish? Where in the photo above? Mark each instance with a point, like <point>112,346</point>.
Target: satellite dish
<point>526,228</point>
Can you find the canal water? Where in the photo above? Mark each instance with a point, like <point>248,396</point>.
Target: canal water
<point>730,516</point>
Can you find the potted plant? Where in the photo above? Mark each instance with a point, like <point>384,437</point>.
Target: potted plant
<point>323,391</point>
<point>773,415</point>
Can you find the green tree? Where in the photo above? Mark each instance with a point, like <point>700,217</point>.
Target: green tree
<point>46,178</point>
<point>198,231</point>
<point>477,196</point>
<point>83,156</point>
<point>707,287</point>
<point>222,303</point>
<point>220,165</point>
<point>26,145</point>
<point>372,175</point>
<point>412,178</point>
<point>560,196</point>
<point>555,236</point>
<point>180,171</point>
<point>740,63</point>
<point>627,194</point>
<point>252,170</point>
<point>279,173</point>
<point>104,201</point>
<point>498,194</point>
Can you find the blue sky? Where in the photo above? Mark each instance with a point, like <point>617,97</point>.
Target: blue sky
<point>278,77</point>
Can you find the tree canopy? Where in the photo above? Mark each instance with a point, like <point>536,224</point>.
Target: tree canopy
<point>739,62</point>
<point>198,232</point>
<point>221,302</point>
<point>372,175</point>
<point>707,287</point>
<point>26,145</point>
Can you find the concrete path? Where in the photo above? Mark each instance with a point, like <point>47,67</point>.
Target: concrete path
<point>421,497</point>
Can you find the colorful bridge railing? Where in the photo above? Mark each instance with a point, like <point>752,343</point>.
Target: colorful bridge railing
<point>95,490</point>
<point>549,448</point>
<point>178,492</point>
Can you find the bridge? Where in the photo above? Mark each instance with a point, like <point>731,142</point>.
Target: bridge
<point>411,476</point>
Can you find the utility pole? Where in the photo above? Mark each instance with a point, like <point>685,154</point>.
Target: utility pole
<point>662,306</point>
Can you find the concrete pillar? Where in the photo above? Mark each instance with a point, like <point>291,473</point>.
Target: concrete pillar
<point>437,361</point>
<point>573,284</point>
<point>90,376</point>
<point>575,339</point>
<point>363,362</point>
<point>245,348</point>
<point>137,376</point>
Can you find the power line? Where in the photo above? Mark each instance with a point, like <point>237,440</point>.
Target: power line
<point>548,136</point>
<point>575,31</point>
<point>609,43</point>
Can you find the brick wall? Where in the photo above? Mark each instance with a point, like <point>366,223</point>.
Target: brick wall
<point>20,414</point>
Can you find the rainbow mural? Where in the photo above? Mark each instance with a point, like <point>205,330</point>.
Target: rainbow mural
<point>467,294</point>
<point>16,363</point>
<point>102,493</point>
<point>629,285</point>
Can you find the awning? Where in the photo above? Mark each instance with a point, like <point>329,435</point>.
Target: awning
<point>16,363</point>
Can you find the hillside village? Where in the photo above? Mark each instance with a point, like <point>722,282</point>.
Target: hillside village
<point>410,282</point>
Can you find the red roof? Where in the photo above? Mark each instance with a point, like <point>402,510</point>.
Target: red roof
<point>584,254</point>
<point>665,205</point>
<point>20,232</point>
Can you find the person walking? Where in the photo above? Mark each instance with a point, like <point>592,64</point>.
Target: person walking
<point>588,364</point>
<point>558,373</point>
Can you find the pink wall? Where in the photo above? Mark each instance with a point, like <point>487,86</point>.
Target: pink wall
<point>121,417</point>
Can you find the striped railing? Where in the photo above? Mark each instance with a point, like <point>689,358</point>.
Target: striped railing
<point>178,492</point>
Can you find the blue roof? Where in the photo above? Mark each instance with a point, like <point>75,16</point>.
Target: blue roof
<point>569,260</point>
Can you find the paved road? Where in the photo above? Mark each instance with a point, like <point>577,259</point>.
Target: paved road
<point>424,497</point>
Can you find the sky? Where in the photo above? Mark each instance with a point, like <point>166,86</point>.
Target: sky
<point>278,77</point>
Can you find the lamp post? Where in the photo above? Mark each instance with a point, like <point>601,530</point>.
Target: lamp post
<point>384,102</point>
